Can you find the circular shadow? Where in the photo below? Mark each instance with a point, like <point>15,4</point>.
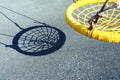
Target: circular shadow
<point>38,40</point>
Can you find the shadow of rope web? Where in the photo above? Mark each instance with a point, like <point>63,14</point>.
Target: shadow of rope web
<point>36,40</point>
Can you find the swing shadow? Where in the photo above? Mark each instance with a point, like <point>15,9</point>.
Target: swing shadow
<point>38,40</point>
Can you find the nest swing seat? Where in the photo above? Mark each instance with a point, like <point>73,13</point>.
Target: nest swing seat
<point>107,29</point>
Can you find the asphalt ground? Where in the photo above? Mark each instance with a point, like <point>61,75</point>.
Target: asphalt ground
<point>80,58</point>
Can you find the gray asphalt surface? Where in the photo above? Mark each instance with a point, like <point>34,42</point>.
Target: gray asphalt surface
<point>80,58</point>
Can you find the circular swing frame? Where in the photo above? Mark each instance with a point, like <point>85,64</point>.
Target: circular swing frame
<point>107,36</point>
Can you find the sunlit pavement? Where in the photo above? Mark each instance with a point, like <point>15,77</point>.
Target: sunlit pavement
<point>80,58</point>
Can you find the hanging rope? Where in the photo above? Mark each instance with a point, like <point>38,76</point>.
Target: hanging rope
<point>110,23</point>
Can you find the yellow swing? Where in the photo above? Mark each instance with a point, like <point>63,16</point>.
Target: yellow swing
<point>106,29</point>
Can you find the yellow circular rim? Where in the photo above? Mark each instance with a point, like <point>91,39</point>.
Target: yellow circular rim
<point>83,29</point>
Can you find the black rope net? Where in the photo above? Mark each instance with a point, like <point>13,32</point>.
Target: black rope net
<point>38,39</point>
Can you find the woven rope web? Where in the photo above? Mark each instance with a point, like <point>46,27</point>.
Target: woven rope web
<point>111,23</point>
<point>38,39</point>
